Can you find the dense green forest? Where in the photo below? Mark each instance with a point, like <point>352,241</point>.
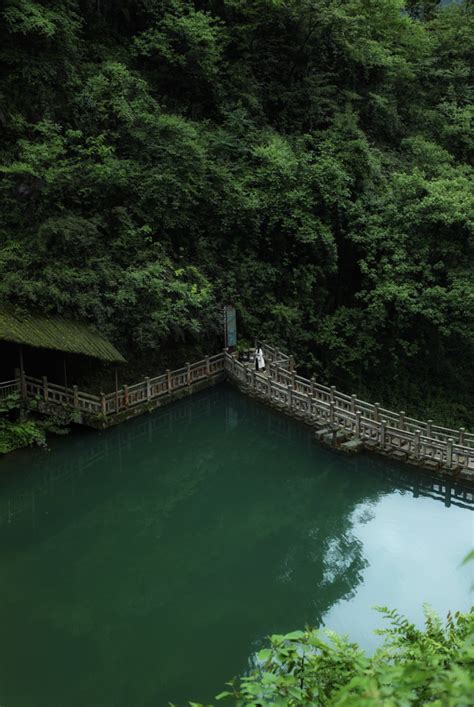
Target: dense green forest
<point>309,161</point>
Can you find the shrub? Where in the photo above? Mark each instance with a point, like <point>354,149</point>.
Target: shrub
<point>413,667</point>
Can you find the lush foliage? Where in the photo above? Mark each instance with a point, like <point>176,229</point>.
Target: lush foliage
<point>413,667</point>
<point>308,160</point>
<point>20,426</point>
<point>16,432</point>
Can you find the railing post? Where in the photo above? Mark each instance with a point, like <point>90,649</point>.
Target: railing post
<point>429,431</point>
<point>290,396</point>
<point>293,379</point>
<point>461,435</point>
<point>103,406</point>
<point>125,396</point>
<point>313,387</point>
<point>309,399</point>
<point>21,378</point>
<point>353,402</point>
<point>416,443</point>
<point>449,452</point>
<point>331,413</point>
<point>376,412</point>
<point>188,373</point>
<point>208,366</point>
<point>357,425</point>
<point>383,425</point>
<point>291,364</point>
<point>401,420</point>
<point>168,380</point>
<point>45,389</point>
<point>225,352</point>
<point>148,388</point>
<point>331,394</point>
<point>75,397</point>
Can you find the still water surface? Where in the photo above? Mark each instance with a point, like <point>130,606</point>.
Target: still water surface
<point>147,563</point>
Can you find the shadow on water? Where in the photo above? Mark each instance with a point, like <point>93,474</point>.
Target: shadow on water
<point>146,563</point>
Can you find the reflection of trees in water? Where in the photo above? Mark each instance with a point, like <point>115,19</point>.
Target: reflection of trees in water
<point>44,474</point>
<point>188,537</point>
<point>311,512</point>
<point>338,565</point>
<point>32,476</point>
<point>366,515</point>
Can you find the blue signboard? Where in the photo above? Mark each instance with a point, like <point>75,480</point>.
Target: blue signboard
<point>230,325</point>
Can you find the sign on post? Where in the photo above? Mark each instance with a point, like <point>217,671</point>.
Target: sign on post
<point>230,326</point>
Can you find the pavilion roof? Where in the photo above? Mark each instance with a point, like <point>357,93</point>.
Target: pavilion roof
<point>48,331</point>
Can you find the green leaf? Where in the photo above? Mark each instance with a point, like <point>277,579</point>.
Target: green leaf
<point>294,636</point>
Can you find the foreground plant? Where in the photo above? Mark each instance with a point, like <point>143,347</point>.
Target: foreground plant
<point>413,667</point>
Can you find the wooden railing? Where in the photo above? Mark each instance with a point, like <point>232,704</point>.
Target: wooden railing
<point>51,472</point>
<point>276,357</point>
<point>9,388</point>
<point>321,405</point>
<point>127,396</point>
<point>375,411</point>
<point>47,392</point>
<point>378,428</point>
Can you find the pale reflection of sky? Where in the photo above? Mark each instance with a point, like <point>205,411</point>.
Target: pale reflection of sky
<point>414,548</point>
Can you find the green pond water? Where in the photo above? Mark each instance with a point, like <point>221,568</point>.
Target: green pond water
<point>148,563</point>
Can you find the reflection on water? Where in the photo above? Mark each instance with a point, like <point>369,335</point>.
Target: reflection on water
<point>145,563</point>
<point>42,473</point>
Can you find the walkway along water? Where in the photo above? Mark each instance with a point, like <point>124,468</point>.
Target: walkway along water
<point>49,476</point>
<point>341,420</point>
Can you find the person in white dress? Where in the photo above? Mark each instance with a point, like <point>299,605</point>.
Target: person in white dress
<point>259,359</point>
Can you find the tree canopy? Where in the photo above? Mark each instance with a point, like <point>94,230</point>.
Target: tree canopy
<point>309,161</point>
